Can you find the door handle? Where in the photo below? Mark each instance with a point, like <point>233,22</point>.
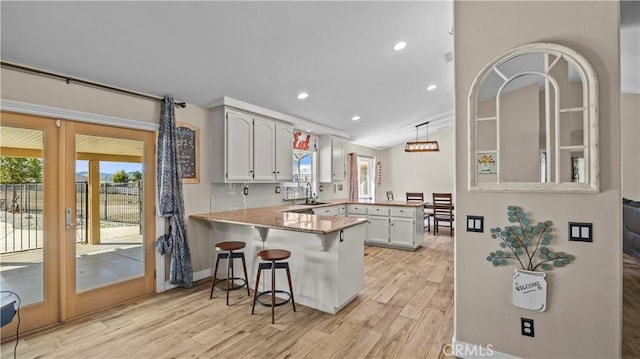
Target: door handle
<point>68,218</point>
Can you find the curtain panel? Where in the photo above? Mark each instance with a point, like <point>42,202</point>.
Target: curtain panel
<point>353,176</point>
<point>171,201</point>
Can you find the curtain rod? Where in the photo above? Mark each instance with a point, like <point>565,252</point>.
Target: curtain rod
<point>69,79</point>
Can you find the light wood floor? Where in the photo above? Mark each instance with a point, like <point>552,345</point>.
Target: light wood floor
<point>631,307</point>
<point>404,311</point>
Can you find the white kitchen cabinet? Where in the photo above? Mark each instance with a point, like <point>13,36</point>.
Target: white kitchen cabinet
<point>331,155</point>
<point>284,152</point>
<point>378,230</point>
<point>264,154</point>
<point>402,231</point>
<point>246,147</point>
<point>239,146</point>
<point>330,211</point>
<point>393,226</point>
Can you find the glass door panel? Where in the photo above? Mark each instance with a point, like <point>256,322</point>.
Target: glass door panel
<point>111,258</point>
<point>29,223</point>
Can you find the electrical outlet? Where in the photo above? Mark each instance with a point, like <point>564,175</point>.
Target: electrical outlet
<point>526,327</point>
<point>246,191</point>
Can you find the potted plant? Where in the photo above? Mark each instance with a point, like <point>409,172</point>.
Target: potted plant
<point>527,245</point>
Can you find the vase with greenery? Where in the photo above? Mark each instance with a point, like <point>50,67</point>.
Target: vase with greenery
<point>527,244</point>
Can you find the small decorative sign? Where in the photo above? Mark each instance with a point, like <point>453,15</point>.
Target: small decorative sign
<point>486,162</point>
<point>530,290</point>
<point>188,142</point>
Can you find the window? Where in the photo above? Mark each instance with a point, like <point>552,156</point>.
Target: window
<point>304,171</point>
<point>366,177</point>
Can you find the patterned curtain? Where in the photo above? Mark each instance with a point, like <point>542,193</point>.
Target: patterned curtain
<point>353,176</point>
<point>171,202</point>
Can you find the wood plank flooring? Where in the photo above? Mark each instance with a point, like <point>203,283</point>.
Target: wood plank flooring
<point>404,311</point>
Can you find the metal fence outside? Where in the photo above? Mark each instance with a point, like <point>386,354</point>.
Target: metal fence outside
<point>22,220</point>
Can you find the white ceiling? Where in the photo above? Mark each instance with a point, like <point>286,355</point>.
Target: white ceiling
<point>265,52</point>
<point>258,52</point>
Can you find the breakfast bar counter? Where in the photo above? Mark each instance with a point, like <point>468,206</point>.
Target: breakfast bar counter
<point>327,253</point>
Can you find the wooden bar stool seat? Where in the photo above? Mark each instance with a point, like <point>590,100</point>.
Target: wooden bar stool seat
<point>273,259</point>
<point>226,250</point>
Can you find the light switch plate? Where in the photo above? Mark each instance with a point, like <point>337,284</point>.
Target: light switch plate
<point>582,232</point>
<point>475,224</point>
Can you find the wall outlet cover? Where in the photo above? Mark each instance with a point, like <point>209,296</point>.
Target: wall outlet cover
<point>526,327</point>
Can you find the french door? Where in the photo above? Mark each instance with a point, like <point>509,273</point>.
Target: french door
<point>71,240</point>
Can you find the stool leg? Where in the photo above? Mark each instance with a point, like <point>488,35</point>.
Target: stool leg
<point>255,292</point>
<point>293,302</point>
<point>246,277</point>
<point>229,269</point>
<point>215,273</point>
<point>273,292</point>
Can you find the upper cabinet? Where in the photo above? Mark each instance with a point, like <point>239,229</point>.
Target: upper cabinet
<point>533,122</point>
<point>249,148</point>
<point>331,153</point>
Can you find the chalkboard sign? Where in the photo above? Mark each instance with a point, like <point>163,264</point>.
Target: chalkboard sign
<point>188,138</point>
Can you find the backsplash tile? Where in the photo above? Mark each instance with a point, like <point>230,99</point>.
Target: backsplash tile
<point>229,196</point>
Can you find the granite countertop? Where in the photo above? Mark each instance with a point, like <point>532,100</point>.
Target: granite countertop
<point>287,217</point>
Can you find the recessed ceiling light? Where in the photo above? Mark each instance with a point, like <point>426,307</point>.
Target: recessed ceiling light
<point>303,95</point>
<point>308,130</point>
<point>355,118</point>
<point>399,46</point>
<point>431,87</point>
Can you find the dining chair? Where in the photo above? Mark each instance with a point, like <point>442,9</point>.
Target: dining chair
<point>419,197</point>
<point>389,195</point>
<point>442,211</point>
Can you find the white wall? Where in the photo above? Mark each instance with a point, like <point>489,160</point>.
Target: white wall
<point>425,172</point>
<point>630,125</point>
<point>583,318</point>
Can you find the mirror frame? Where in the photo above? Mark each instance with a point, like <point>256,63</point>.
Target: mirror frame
<point>590,108</point>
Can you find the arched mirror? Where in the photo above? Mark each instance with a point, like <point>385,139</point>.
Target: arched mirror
<point>533,122</point>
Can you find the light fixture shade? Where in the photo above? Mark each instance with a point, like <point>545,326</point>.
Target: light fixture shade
<point>422,146</point>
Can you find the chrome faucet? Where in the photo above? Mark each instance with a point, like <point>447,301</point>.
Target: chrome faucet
<point>307,193</point>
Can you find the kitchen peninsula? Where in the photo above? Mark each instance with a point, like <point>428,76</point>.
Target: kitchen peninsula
<point>326,241</point>
<point>327,253</point>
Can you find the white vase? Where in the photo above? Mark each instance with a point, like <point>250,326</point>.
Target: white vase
<point>529,290</point>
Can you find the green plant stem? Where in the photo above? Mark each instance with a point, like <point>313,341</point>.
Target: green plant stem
<point>526,248</point>
<point>542,231</point>
<point>512,250</point>
<point>549,260</point>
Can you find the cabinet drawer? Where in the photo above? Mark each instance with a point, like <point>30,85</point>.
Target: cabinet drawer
<point>378,211</point>
<point>356,209</point>
<point>403,212</point>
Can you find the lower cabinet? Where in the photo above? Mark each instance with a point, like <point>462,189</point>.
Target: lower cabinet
<point>402,231</point>
<point>390,226</point>
<point>378,230</point>
<point>330,211</point>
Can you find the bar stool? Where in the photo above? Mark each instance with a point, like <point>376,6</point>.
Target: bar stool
<point>227,249</point>
<point>271,258</point>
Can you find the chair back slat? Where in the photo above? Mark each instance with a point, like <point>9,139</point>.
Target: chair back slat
<point>443,205</point>
<point>389,195</point>
<point>415,196</point>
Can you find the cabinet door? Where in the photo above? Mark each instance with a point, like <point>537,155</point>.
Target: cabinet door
<point>327,211</point>
<point>264,150</point>
<point>378,229</point>
<point>402,231</point>
<point>337,157</point>
<point>284,153</point>
<point>239,159</point>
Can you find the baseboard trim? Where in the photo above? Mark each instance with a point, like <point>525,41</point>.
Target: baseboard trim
<point>196,277</point>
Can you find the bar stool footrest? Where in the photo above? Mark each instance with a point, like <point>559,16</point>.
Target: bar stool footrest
<point>279,301</point>
<point>234,286</point>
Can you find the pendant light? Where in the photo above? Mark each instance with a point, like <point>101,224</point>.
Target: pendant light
<point>422,146</point>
